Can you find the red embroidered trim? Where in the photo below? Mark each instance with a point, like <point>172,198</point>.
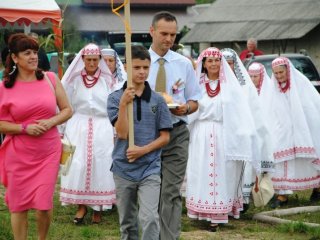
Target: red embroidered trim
<point>89,154</point>
<point>260,82</point>
<point>293,151</point>
<point>92,193</point>
<point>88,201</point>
<point>296,180</point>
<point>212,156</point>
<point>214,207</point>
<point>294,188</point>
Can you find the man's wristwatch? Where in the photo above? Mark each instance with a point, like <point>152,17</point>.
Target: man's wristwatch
<point>188,109</point>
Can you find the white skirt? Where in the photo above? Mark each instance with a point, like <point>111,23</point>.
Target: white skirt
<point>297,174</point>
<point>89,180</point>
<point>213,184</point>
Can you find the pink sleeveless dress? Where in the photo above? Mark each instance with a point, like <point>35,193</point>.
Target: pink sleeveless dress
<point>29,165</point>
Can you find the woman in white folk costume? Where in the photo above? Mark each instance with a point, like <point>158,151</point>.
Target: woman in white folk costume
<point>89,182</point>
<point>221,139</point>
<point>294,111</point>
<point>263,153</point>
<point>115,65</point>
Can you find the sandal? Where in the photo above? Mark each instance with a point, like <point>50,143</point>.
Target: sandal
<point>79,220</point>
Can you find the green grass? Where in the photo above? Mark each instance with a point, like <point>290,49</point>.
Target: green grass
<point>62,227</point>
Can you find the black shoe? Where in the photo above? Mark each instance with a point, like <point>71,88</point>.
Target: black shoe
<point>213,227</point>
<point>245,208</point>
<point>79,220</point>
<point>315,195</point>
<point>278,203</point>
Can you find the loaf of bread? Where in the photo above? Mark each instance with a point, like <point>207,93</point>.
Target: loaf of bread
<point>167,97</point>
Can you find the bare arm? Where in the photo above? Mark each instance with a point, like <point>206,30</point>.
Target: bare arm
<point>136,152</point>
<point>10,128</point>
<point>122,124</point>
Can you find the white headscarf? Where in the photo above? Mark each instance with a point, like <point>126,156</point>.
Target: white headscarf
<point>120,72</point>
<point>264,151</point>
<point>304,113</point>
<point>77,66</point>
<point>240,137</point>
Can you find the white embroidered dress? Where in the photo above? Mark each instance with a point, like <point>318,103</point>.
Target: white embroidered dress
<point>295,129</point>
<point>211,192</point>
<point>221,140</point>
<point>89,180</point>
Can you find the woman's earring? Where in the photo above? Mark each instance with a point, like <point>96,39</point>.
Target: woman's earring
<point>13,69</point>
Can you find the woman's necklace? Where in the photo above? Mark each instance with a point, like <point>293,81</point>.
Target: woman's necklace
<point>210,92</point>
<point>90,81</point>
<point>285,87</point>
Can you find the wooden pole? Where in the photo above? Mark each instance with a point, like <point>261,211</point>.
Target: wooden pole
<point>129,69</point>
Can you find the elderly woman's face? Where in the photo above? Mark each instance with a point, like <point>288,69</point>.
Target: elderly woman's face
<point>255,79</point>
<point>91,63</point>
<point>280,73</point>
<point>111,62</point>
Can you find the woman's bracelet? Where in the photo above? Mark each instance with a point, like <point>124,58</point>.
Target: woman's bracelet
<point>24,128</point>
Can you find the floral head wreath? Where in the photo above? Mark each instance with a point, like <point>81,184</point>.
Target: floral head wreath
<point>211,52</point>
<point>256,68</point>
<point>280,61</point>
<point>91,49</point>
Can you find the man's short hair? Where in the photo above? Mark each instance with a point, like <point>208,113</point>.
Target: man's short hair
<point>253,40</point>
<point>167,16</point>
<point>140,52</point>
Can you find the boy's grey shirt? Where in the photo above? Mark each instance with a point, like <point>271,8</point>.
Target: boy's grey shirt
<point>151,115</point>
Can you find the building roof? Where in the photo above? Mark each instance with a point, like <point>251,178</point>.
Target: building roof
<point>234,20</point>
<point>103,20</point>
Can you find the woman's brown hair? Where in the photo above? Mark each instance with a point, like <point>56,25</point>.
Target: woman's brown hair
<point>18,42</point>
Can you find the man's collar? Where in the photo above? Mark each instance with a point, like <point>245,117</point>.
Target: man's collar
<point>155,56</point>
<point>146,95</point>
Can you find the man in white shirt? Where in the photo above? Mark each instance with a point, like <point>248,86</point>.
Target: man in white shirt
<point>182,85</point>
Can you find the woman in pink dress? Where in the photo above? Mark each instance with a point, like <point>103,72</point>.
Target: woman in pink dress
<point>30,153</point>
